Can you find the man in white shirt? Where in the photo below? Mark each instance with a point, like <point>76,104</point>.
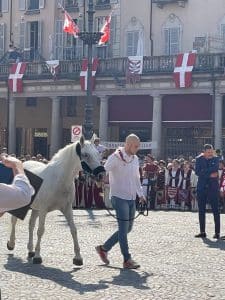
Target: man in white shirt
<point>17,194</point>
<point>125,185</point>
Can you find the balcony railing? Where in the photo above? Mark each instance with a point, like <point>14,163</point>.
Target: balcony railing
<point>117,67</point>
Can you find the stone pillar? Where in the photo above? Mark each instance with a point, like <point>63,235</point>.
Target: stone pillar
<point>56,129</point>
<point>157,125</point>
<point>103,120</point>
<point>12,125</point>
<point>218,121</point>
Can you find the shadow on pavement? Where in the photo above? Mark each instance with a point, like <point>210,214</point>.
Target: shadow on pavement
<point>219,244</point>
<point>65,279</point>
<point>135,278</point>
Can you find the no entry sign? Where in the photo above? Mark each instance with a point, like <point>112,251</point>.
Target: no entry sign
<point>76,132</point>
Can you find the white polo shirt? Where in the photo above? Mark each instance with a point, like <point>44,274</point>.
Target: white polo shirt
<point>17,194</point>
<point>124,176</point>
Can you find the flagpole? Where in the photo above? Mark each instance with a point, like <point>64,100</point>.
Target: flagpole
<point>89,38</point>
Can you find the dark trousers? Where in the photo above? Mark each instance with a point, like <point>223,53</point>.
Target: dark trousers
<point>209,193</point>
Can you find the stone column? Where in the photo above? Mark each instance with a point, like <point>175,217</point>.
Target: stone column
<point>157,125</point>
<point>12,125</point>
<point>56,129</point>
<point>218,121</point>
<point>103,120</point>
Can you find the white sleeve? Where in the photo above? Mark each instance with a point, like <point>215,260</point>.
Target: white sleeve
<point>111,163</point>
<point>17,194</point>
<point>167,177</point>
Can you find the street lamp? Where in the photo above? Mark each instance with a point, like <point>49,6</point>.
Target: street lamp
<point>89,38</point>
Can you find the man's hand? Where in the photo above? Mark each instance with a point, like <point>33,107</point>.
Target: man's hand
<point>142,200</point>
<point>13,163</point>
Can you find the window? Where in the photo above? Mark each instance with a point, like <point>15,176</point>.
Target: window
<point>31,39</point>
<point>33,4</point>
<point>172,41</point>
<point>31,102</point>
<point>71,3</point>
<point>71,103</point>
<point>68,106</point>
<point>132,42</point>
<point>67,47</point>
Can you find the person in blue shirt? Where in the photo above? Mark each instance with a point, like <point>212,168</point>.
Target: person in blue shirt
<point>207,166</point>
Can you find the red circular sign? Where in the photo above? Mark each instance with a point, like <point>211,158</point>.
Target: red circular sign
<point>76,131</point>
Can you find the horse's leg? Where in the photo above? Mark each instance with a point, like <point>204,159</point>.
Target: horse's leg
<point>41,228</point>
<point>30,245</point>
<point>68,213</point>
<point>11,242</point>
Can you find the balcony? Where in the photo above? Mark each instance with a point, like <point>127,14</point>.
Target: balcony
<point>161,3</point>
<point>102,5</point>
<point>117,67</point>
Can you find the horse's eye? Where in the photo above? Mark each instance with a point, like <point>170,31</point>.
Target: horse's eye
<point>85,155</point>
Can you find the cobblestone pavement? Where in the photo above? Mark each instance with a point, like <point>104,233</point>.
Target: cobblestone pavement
<point>174,265</point>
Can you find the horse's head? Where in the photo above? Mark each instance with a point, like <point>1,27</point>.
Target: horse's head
<point>90,159</point>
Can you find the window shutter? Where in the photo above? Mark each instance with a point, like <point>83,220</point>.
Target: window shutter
<point>59,39</point>
<point>167,41</point>
<point>22,35</point>
<point>41,4</point>
<point>22,4</point>
<point>5,6</point>
<point>113,30</point>
<point>223,33</point>
<point>40,28</point>
<point>79,46</point>
<point>174,41</point>
<point>2,39</point>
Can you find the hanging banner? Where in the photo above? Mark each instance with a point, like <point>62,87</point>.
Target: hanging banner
<point>143,145</point>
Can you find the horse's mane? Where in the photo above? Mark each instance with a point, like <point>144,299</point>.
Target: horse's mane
<point>59,157</point>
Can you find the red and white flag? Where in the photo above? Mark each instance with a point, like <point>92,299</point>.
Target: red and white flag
<point>53,66</point>
<point>183,69</point>
<point>106,31</point>
<point>70,26</point>
<point>15,81</point>
<point>84,73</point>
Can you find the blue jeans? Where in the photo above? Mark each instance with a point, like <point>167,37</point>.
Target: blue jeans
<point>125,210</point>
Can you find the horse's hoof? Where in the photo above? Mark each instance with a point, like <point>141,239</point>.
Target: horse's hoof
<point>78,261</point>
<point>31,254</point>
<point>10,247</point>
<point>37,260</point>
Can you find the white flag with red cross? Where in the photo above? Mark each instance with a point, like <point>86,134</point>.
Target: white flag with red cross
<point>183,70</point>
<point>84,73</point>
<point>15,80</point>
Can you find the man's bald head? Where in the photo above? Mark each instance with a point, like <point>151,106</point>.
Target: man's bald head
<point>132,138</point>
<point>132,144</point>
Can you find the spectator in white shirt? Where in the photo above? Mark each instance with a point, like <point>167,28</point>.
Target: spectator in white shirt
<point>17,194</point>
<point>100,148</point>
<point>124,180</point>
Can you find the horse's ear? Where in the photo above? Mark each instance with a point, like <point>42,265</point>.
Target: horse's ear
<point>78,149</point>
<point>94,136</point>
<point>82,141</point>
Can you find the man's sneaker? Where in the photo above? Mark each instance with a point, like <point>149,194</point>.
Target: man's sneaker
<point>103,254</point>
<point>130,264</point>
<point>201,235</point>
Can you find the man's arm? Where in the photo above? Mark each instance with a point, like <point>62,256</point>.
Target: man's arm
<point>17,194</point>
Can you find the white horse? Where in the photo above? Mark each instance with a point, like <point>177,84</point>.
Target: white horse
<point>57,192</point>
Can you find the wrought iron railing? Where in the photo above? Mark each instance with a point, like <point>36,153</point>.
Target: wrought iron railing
<point>152,65</point>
